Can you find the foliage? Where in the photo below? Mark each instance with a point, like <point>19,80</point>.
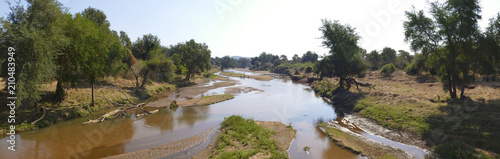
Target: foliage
<point>387,70</point>
<point>159,68</point>
<point>309,57</point>
<point>195,57</point>
<point>36,33</point>
<point>388,56</point>
<point>345,59</point>
<point>411,70</point>
<point>296,58</point>
<point>325,88</point>
<point>227,62</point>
<point>450,41</point>
<point>373,59</point>
<point>246,132</point>
<point>173,104</point>
<point>403,60</point>
<point>455,149</point>
<point>243,63</point>
<point>143,47</point>
<point>265,61</point>
<point>309,69</point>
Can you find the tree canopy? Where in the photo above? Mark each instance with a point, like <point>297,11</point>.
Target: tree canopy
<point>195,57</point>
<point>310,57</point>
<point>451,41</point>
<point>38,36</point>
<point>344,59</point>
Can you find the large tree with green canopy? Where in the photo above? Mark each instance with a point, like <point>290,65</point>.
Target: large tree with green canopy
<point>194,57</point>
<point>37,34</point>
<point>450,41</point>
<point>344,59</point>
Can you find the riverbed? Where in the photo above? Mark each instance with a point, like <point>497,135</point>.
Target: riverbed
<point>276,100</point>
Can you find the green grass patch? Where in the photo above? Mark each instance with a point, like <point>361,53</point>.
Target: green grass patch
<point>246,138</point>
<point>398,115</point>
<point>231,74</point>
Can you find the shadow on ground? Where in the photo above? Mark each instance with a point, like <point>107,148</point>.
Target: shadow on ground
<point>464,125</point>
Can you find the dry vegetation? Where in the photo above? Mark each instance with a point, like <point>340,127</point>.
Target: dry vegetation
<point>418,105</point>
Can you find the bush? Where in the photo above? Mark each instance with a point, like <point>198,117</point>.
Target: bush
<point>455,149</point>
<point>411,70</point>
<point>296,72</point>
<point>387,70</point>
<point>309,69</point>
<point>282,69</point>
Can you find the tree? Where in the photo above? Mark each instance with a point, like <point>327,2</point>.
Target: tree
<point>309,56</point>
<point>344,59</point>
<point>125,40</point>
<point>227,62</point>
<point>195,57</point>
<point>449,41</point>
<point>404,59</point>
<point>373,58</point>
<point>283,58</point>
<point>88,52</point>
<point>296,58</point>
<point>265,61</point>
<point>243,63</point>
<point>490,43</point>
<point>388,55</point>
<point>36,33</point>
<point>143,47</point>
<point>96,16</point>
<point>158,68</point>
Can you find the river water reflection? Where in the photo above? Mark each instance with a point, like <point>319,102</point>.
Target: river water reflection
<point>281,100</point>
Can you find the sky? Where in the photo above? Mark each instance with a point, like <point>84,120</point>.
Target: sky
<point>249,27</point>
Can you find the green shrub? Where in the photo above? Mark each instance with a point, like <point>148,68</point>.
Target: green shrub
<point>282,69</point>
<point>387,70</point>
<point>455,149</point>
<point>173,104</point>
<point>325,88</point>
<point>296,72</point>
<point>309,69</point>
<point>411,70</point>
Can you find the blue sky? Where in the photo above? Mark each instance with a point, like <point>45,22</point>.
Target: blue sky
<point>249,27</point>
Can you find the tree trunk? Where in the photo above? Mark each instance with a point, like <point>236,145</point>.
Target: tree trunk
<point>136,79</point>
<point>60,93</point>
<point>341,82</point>
<point>462,92</point>
<point>188,75</point>
<point>93,104</point>
<point>454,90</point>
<point>450,86</point>
<point>145,78</point>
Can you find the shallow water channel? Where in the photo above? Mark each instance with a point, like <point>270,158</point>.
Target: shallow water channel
<point>281,100</point>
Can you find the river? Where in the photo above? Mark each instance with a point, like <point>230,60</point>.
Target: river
<point>280,100</point>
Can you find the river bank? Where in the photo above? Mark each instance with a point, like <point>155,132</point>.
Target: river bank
<point>361,145</point>
<point>416,111</point>
<point>109,94</point>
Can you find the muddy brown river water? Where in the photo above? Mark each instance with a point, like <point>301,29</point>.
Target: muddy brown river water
<point>280,100</point>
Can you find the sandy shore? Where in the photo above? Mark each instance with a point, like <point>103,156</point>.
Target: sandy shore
<point>167,149</point>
